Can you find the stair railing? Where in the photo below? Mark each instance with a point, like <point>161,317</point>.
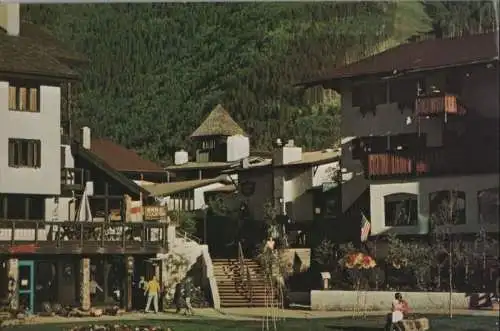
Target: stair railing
<point>245,273</point>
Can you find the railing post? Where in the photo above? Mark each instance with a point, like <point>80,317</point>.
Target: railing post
<point>143,234</point>
<point>36,232</point>
<point>123,235</point>
<point>102,234</point>
<point>81,234</point>
<point>58,236</point>
<point>13,233</point>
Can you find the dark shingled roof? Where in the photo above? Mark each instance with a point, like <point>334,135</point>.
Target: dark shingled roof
<point>218,123</point>
<point>28,54</point>
<point>53,46</point>
<point>419,56</point>
<point>122,159</point>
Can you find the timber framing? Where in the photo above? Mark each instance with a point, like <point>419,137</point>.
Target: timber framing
<point>116,175</point>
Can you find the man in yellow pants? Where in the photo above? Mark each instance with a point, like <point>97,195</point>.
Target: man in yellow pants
<point>153,291</point>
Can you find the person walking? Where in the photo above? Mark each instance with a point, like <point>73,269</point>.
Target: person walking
<point>188,289</point>
<point>153,291</point>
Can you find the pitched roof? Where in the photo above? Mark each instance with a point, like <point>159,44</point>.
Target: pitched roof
<point>20,54</point>
<point>113,173</point>
<point>218,123</point>
<point>121,158</point>
<point>53,46</point>
<point>429,54</point>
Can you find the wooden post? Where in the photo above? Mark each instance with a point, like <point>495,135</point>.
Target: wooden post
<point>129,266</point>
<point>13,279</point>
<point>85,284</point>
<point>105,286</point>
<point>106,202</point>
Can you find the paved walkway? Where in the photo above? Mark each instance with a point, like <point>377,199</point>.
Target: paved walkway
<point>238,314</point>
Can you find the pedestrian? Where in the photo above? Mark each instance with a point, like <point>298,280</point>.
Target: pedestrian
<point>139,293</point>
<point>153,291</point>
<point>178,298</point>
<point>188,289</point>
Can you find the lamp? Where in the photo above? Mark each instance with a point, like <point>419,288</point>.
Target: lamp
<point>130,265</point>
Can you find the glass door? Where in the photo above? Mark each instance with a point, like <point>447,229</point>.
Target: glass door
<point>26,285</point>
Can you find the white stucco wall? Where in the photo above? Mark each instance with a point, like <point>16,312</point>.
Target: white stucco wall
<point>44,126</point>
<point>199,194</point>
<point>422,187</point>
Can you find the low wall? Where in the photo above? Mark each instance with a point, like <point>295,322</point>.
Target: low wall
<point>378,300</point>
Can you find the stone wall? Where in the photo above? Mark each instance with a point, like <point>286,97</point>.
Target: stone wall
<point>379,300</point>
<point>13,277</point>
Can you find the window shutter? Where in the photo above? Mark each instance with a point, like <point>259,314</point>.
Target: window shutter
<point>33,106</point>
<point>23,98</point>
<point>12,97</point>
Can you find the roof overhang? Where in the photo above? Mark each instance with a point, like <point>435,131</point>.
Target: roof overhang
<point>336,81</point>
<point>116,175</point>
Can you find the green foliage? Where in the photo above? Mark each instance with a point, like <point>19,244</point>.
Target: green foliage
<point>184,220</point>
<point>414,257</point>
<point>157,69</point>
<point>324,254</point>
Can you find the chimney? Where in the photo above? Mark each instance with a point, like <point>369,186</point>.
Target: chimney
<point>86,138</point>
<point>287,154</point>
<point>10,18</point>
<point>181,157</point>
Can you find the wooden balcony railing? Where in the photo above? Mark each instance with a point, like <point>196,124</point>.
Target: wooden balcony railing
<point>431,161</point>
<point>86,237</point>
<point>74,179</point>
<point>439,104</point>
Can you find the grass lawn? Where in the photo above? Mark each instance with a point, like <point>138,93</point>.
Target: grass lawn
<point>372,323</point>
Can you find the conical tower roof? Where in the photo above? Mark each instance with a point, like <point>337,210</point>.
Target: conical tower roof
<point>218,123</point>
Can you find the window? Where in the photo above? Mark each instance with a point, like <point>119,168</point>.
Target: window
<point>401,209</point>
<point>24,153</point>
<point>20,208</point>
<point>24,98</point>
<point>489,206</point>
<point>447,207</point>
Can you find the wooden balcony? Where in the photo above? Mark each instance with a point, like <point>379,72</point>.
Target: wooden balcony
<point>86,238</point>
<point>431,162</point>
<point>74,179</point>
<point>438,104</point>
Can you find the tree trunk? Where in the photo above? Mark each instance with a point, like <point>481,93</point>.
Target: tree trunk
<point>450,278</point>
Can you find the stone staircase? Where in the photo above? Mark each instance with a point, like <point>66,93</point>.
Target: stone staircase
<point>234,290</point>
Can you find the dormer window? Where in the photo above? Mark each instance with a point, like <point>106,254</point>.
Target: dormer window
<point>24,97</point>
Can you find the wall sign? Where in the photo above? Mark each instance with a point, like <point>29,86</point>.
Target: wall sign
<point>155,213</point>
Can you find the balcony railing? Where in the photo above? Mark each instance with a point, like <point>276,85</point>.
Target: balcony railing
<point>439,104</point>
<point>74,179</point>
<point>88,237</point>
<point>431,161</point>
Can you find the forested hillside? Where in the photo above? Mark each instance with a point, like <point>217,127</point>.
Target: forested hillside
<point>157,69</point>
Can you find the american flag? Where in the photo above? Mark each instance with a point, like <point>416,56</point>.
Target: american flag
<point>365,228</point>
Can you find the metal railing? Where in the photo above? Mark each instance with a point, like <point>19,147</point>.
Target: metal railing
<point>245,273</point>
<point>187,236</point>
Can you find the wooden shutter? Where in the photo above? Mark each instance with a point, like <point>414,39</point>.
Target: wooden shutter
<point>12,97</point>
<point>33,106</point>
<point>23,98</point>
<point>12,153</point>
<point>38,156</point>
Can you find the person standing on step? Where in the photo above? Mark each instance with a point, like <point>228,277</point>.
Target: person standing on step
<point>153,291</point>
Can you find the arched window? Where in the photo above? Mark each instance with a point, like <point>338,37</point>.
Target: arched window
<point>401,209</point>
<point>447,207</point>
<point>489,206</point>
